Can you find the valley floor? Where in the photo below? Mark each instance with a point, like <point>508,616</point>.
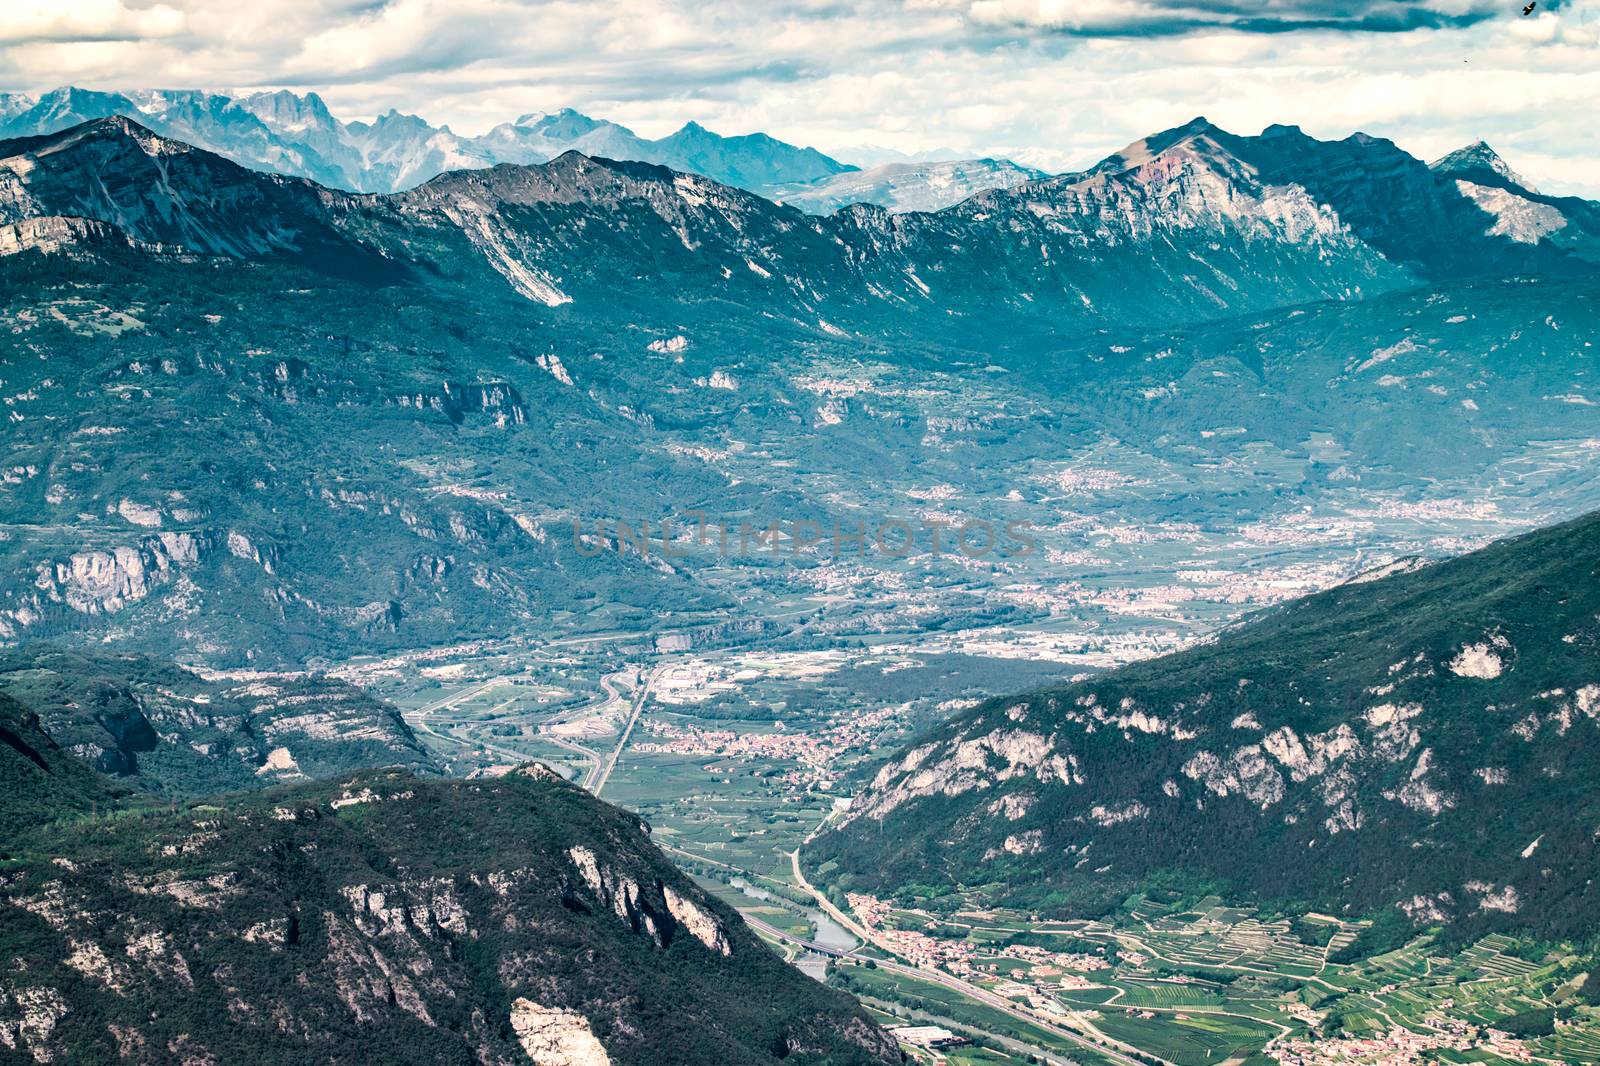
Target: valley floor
<point>737,754</point>
<point>737,742</point>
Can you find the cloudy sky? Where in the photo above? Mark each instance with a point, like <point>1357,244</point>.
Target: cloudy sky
<point>1056,83</point>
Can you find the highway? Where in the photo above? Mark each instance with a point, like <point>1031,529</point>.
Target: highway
<point>589,754</point>
<point>939,977</point>
<point>601,765</point>
<point>596,761</point>
<point>955,984</point>
<point>418,719</point>
<point>640,695</point>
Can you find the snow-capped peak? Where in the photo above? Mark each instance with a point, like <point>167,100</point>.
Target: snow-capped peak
<point>1479,158</point>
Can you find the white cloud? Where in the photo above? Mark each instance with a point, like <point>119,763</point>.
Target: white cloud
<point>86,21</point>
<point>1177,16</point>
<point>989,77</point>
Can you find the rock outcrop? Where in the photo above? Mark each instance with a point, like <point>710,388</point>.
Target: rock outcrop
<point>391,919</point>
<point>1333,753</point>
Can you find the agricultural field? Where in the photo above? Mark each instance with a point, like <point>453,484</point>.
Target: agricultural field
<point>909,1000</point>
<point>730,815</point>
<point>1198,982</point>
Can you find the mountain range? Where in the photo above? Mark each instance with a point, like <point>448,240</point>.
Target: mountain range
<point>910,186</point>
<point>264,424</point>
<point>285,133</point>
<point>1419,742</point>
<point>372,421</point>
<point>1197,222</point>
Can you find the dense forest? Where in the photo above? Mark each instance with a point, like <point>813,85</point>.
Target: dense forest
<point>1425,740</point>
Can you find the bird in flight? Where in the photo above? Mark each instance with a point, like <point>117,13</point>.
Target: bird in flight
<point>1531,5</point>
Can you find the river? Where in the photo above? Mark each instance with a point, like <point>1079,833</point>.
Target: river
<point>829,933</point>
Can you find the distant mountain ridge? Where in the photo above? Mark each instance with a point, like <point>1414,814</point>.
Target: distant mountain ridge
<point>1521,213</point>
<point>152,725</point>
<point>167,194</point>
<point>1300,218</point>
<point>288,133</point>
<point>297,135</point>
<point>1069,246</point>
<point>906,186</point>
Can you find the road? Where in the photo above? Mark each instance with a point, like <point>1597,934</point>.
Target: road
<point>950,981</point>
<point>588,754</point>
<point>418,719</point>
<point>640,695</point>
<point>596,761</point>
<point>600,765</point>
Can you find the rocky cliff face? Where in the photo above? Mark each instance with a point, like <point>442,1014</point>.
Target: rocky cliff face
<point>501,921</point>
<point>901,187</point>
<point>1425,740</point>
<point>39,782</point>
<point>163,729</point>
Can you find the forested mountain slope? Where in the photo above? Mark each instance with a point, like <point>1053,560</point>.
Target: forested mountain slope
<point>383,918</point>
<point>39,782</point>
<point>374,917</point>
<point>160,728</point>
<point>1426,740</point>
